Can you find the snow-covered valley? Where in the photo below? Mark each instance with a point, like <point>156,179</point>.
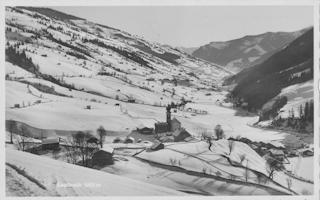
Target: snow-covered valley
<point>66,77</point>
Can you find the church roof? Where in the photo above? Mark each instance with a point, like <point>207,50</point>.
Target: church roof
<point>175,120</point>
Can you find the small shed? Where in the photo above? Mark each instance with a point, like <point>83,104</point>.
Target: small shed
<point>117,140</point>
<point>129,140</point>
<point>50,144</point>
<point>103,156</point>
<point>17,105</point>
<point>131,100</point>
<point>157,145</point>
<point>88,107</point>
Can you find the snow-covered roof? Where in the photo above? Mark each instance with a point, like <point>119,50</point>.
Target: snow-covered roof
<point>50,140</point>
<point>167,138</point>
<point>277,144</point>
<point>155,144</point>
<point>107,149</point>
<point>188,139</point>
<point>276,152</point>
<point>130,138</point>
<point>177,132</point>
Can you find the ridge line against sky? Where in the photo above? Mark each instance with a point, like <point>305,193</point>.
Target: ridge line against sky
<point>197,25</point>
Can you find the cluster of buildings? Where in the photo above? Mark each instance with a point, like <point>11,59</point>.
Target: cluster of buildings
<point>276,153</point>
<point>169,131</point>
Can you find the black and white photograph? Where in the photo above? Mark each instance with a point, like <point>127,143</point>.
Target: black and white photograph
<point>136,98</point>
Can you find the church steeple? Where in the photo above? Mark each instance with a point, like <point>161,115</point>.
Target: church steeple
<point>168,118</point>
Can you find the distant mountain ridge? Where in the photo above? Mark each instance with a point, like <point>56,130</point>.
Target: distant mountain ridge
<point>247,51</point>
<point>292,65</point>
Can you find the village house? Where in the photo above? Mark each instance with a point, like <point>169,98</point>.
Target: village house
<point>50,144</point>
<point>157,145</point>
<point>103,156</point>
<point>145,130</point>
<point>292,142</point>
<point>277,154</point>
<point>307,152</point>
<point>180,135</point>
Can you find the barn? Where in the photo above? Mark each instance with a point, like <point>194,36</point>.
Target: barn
<point>103,156</point>
<point>157,145</point>
<point>50,144</point>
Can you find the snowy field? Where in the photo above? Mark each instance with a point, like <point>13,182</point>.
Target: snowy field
<point>305,168</point>
<point>53,175</point>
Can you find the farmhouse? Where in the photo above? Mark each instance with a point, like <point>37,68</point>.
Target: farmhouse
<point>50,144</point>
<point>292,142</point>
<point>103,156</point>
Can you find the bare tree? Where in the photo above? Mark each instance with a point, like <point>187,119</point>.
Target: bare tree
<point>259,178</point>
<point>271,169</point>
<point>232,177</point>
<point>55,154</point>
<point>218,173</point>
<point>85,148</point>
<point>71,151</point>
<point>289,182</point>
<point>202,133</point>
<point>102,133</point>
<point>11,127</point>
<point>242,158</point>
<point>231,145</point>
<point>23,139</point>
<point>246,172</point>
<point>219,133</point>
<point>238,137</point>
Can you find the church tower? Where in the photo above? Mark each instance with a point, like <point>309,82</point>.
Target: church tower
<point>168,118</point>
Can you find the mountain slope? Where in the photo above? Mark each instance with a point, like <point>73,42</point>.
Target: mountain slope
<point>292,65</point>
<point>246,52</point>
<point>189,50</point>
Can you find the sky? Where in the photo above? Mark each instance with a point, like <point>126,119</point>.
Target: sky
<point>194,26</point>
